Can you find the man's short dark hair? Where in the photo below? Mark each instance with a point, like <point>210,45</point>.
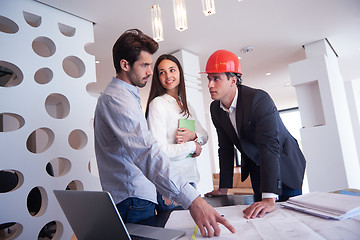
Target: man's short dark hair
<point>237,75</point>
<point>130,44</point>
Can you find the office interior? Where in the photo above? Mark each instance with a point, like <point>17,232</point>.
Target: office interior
<point>55,60</point>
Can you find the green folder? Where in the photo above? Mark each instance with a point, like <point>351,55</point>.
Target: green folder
<point>189,124</point>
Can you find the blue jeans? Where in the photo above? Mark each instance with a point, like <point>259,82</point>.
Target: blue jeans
<point>162,206</point>
<point>133,209</point>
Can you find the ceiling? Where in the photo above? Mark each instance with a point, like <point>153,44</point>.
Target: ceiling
<point>277,30</point>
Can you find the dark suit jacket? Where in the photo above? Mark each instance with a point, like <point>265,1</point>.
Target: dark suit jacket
<point>263,139</point>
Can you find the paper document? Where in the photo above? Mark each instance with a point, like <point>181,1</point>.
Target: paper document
<point>326,205</point>
<point>330,229</point>
<point>276,225</point>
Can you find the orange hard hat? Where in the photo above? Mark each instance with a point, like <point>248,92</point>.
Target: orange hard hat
<point>222,61</point>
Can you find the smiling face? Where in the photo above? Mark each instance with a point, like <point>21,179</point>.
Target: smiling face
<point>140,72</point>
<point>169,75</point>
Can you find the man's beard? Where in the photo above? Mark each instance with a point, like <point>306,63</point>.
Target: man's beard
<point>140,84</point>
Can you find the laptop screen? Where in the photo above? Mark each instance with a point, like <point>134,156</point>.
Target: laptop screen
<point>93,215</point>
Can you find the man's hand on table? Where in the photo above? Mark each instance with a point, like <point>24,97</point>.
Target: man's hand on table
<point>258,209</point>
<point>207,218</point>
<point>217,192</point>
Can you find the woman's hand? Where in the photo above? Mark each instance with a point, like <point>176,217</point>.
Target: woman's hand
<point>184,135</point>
<point>197,151</point>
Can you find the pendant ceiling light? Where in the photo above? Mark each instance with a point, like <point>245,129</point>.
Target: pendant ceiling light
<point>208,7</point>
<point>157,27</point>
<point>180,15</point>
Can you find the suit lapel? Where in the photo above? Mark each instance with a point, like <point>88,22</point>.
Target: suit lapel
<point>227,125</point>
<point>239,111</point>
<point>239,120</point>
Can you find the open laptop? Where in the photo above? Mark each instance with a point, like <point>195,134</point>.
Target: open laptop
<point>93,215</point>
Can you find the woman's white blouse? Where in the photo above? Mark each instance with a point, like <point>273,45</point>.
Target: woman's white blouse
<point>163,120</point>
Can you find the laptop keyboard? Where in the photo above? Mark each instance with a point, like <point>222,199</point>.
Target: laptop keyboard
<point>134,237</point>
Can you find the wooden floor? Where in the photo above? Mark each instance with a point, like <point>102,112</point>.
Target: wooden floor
<point>239,188</point>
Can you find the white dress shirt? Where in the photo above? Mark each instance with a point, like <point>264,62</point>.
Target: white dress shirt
<point>129,159</point>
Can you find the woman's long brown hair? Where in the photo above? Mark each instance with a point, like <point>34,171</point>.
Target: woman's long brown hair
<point>158,90</point>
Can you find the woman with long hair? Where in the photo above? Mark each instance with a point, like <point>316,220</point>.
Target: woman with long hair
<point>166,105</point>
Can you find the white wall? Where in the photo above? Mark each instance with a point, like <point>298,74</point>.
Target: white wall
<point>45,48</point>
<point>352,88</point>
<point>327,133</point>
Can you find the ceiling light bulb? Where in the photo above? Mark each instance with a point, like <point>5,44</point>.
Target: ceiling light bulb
<point>156,21</point>
<point>208,7</point>
<point>180,15</point>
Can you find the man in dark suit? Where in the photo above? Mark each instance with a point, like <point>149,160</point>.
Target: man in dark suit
<point>248,119</point>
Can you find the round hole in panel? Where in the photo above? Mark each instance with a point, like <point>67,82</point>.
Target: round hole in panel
<point>77,139</point>
<point>10,122</point>
<point>73,66</point>
<point>40,140</point>
<point>51,230</point>
<point>92,167</point>
<point>11,75</point>
<point>57,106</point>
<point>7,25</point>
<point>37,201</point>
<point>93,89</point>
<point>13,230</point>
<point>58,167</point>
<point>75,185</point>
<point>43,46</point>
<point>90,48</point>
<point>43,76</point>
<point>10,180</point>
<point>66,30</point>
<point>32,19</point>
